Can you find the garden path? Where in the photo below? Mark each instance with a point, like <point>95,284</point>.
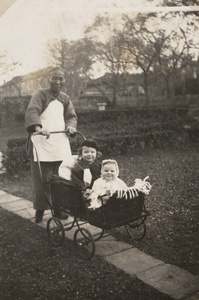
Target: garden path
<point>168,279</point>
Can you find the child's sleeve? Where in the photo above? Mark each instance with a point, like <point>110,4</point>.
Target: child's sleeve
<point>122,185</point>
<point>96,186</point>
<point>66,167</point>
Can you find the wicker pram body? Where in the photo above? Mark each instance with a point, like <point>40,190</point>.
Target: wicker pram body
<point>68,196</point>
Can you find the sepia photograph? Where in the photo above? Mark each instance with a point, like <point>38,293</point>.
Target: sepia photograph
<point>99,150</point>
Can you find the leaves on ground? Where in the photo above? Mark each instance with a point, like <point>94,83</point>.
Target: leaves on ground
<point>32,269</point>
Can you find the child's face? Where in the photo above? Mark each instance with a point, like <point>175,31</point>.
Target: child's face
<point>109,172</point>
<point>89,154</point>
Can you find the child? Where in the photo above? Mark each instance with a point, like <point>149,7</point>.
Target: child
<point>84,169</point>
<point>107,183</point>
<point>104,187</point>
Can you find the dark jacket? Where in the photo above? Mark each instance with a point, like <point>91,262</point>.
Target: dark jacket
<point>78,172</point>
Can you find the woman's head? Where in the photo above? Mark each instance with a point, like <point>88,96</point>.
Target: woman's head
<point>56,79</point>
<point>88,151</point>
<point>109,169</point>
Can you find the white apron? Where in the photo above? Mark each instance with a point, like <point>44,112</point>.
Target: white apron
<point>57,147</point>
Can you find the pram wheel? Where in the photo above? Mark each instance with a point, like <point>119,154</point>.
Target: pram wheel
<point>55,231</point>
<point>84,243</point>
<point>136,229</point>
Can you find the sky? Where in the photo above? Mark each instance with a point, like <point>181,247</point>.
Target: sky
<point>26,27</point>
<point>4,5</point>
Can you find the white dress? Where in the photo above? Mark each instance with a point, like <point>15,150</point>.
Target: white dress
<point>102,187</point>
<point>57,147</point>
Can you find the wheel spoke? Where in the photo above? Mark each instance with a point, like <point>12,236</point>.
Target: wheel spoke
<point>84,243</point>
<point>55,231</point>
<point>137,229</point>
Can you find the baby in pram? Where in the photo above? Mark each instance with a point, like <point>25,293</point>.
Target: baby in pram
<point>109,183</point>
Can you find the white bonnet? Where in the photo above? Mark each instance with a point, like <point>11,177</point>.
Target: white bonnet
<point>111,161</point>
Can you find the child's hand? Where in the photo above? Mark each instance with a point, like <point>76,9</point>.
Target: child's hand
<point>104,196</point>
<point>87,194</point>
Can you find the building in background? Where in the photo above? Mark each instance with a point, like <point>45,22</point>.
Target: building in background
<point>16,93</point>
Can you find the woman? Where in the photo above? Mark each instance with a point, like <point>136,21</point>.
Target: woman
<point>49,110</point>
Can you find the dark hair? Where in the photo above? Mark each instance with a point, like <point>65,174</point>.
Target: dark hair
<point>55,69</point>
<point>90,143</point>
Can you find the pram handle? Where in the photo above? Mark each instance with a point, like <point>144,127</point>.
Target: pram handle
<point>52,132</point>
<point>63,131</point>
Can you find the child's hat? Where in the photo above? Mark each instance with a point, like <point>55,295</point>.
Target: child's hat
<point>90,143</point>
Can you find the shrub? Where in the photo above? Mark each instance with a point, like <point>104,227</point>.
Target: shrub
<point>132,115</point>
<point>124,144</point>
<point>15,159</point>
<point>117,133</point>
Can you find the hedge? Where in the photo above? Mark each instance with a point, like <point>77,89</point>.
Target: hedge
<point>15,159</point>
<point>116,132</point>
<point>133,115</point>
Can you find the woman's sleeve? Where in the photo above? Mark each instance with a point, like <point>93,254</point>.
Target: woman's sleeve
<point>70,115</point>
<point>33,111</point>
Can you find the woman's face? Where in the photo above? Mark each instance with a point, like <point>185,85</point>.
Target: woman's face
<point>109,172</point>
<point>89,154</point>
<point>56,81</point>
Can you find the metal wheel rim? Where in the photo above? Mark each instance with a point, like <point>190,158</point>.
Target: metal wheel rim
<point>56,234</point>
<point>136,230</point>
<point>83,242</point>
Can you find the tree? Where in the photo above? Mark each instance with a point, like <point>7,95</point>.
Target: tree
<point>183,3</point>
<point>76,59</point>
<point>107,49</point>
<point>115,60</point>
<point>159,48</point>
<point>6,66</point>
<point>178,49</point>
<point>141,41</point>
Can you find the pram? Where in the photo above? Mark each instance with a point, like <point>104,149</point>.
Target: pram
<point>122,212</point>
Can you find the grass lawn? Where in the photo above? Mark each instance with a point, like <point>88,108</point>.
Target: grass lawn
<point>30,268</point>
<point>172,228</point>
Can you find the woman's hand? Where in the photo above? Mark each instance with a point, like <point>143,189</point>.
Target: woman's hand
<point>71,130</point>
<point>41,131</point>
